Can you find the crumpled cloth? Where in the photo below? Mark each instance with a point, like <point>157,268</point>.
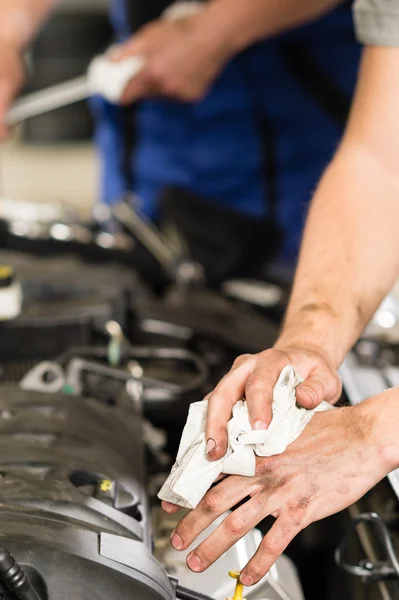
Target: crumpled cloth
<point>193,473</point>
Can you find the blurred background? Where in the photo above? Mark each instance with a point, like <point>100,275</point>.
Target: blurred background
<point>199,208</point>
<point>37,162</point>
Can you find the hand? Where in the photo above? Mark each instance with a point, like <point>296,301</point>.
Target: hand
<point>254,377</point>
<point>11,80</point>
<point>183,57</point>
<point>335,461</point>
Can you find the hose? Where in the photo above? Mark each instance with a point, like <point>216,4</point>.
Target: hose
<point>199,378</point>
<point>185,594</point>
<point>14,578</point>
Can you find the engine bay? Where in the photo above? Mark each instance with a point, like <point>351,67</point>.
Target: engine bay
<point>97,372</point>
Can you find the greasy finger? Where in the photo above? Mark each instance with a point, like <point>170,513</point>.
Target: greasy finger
<point>220,404</point>
<point>273,545</point>
<point>215,503</point>
<point>259,389</point>
<point>233,528</point>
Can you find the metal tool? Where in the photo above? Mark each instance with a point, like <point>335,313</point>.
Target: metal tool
<point>182,270</point>
<point>49,99</point>
<point>104,77</point>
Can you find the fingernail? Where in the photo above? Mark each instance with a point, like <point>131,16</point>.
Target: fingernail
<point>310,392</point>
<point>210,446</point>
<point>194,562</point>
<point>260,425</point>
<point>176,541</point>
<point>246,579</point>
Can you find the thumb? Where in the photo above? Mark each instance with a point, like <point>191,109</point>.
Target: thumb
<point>316,389</point>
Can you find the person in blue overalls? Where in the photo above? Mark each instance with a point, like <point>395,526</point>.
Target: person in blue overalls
<point>242,105</point>
<point>237,120</point>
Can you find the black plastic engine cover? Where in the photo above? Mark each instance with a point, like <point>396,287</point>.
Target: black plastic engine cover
<point>66,303</point>
<point>73,508</point>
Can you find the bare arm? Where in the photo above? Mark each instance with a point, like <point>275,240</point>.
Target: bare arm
<point>245,23</point>
<point>184,57</point>
<point>350,253</point>
<point>20,19</point>
<point>348,262</point>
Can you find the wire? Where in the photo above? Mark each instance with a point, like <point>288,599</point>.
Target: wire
<point>146,352</point>
<point>14,578</point>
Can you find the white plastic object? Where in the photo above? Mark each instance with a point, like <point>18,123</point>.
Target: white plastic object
<point>105,77</point>
<point>36,381</point>
<point>109,79</point>
<point>10,295</point>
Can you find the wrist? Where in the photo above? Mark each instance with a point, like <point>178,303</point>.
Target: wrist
<point>380,416</point>
<point>317,339</point>
<point>221,28</point>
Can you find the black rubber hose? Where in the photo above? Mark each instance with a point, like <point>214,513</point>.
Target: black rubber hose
<point>185,594</point>
<point>14,578</point>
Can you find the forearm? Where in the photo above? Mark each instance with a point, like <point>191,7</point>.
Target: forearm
<point>244,22</point>
<point>350,254</point>
<point>20,19</point>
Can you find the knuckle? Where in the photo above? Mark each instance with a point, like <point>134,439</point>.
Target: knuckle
<point>255,382</point>
<point>291,525</point>
<point>242,359</point>
<point>271,354</point>
<point>236,527</point>
<point>271,547</point>
<point>268,466</point>
<point>155,74</point>
<point>211,503</point>
<point>184,529</point>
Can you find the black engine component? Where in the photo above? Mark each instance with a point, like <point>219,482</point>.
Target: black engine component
<point>203,314</point>
<point>169,378</point>
<point>73,511</point>
<point>66,303</point>
<point>241,244</point>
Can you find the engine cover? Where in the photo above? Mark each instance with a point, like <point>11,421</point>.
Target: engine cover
<point>73,509</point>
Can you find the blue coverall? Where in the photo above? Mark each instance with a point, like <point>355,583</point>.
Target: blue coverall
<point>281,106</point>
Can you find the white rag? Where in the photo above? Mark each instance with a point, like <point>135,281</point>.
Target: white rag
<point>193,473</point>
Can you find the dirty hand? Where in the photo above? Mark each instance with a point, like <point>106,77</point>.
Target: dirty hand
<point>254,377</point>
<point>182,58</point>
<point>336,460</point>
<point>11,80</point>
